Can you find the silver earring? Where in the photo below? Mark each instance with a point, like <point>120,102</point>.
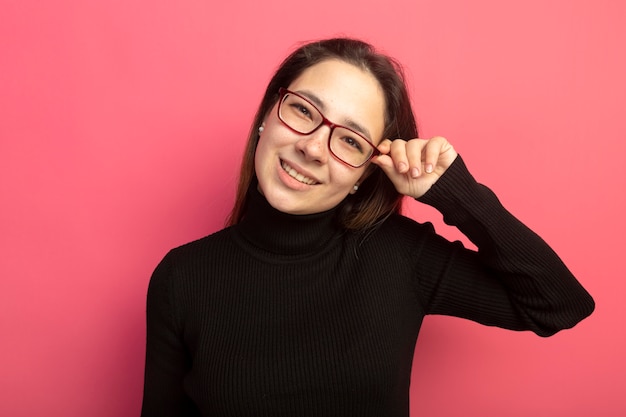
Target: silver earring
<point>261,128</point>
<point>356,187</point>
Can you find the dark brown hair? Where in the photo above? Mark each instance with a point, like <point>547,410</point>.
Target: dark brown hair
<point>377,198</point>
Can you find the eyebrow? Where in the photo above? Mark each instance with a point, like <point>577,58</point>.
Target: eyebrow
<point>348,122</point>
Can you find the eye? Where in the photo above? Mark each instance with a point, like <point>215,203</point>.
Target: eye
<point>300,107</point>
<point>353,142</point>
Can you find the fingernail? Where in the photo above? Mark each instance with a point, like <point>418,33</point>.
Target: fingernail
<point>402,167</point>
<point>429,168</point>
<point>415,172</point>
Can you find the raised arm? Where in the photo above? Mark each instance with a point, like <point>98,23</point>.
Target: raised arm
<point>515,280</point>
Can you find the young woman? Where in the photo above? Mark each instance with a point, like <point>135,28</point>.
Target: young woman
<point>309,303</point>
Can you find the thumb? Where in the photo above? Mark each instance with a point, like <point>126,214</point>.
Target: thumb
<point>385,163</point>
<point>383,160</point>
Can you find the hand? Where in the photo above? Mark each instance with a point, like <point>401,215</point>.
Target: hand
<point>414,166</point>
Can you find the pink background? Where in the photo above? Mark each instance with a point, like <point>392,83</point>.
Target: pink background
<point>121,129</point>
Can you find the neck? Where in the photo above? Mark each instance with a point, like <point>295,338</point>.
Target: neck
<point>283,233</point>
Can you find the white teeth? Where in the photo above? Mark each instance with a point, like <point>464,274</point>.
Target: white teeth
<point>295,174</point>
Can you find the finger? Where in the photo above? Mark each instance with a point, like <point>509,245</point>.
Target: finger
<point>432,153</point>
<point>386,164</point>
<point>384,146</point>
<point>414,151</point>
<point>398,153</point>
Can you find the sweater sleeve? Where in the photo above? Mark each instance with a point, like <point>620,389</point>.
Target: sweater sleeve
<point>514,281</point>
<point>167,359</point>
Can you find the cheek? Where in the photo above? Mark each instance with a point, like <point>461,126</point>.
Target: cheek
<point>261,158</point>
<point>345,177</point>
<point>267,141</point>
<point>275,135</point>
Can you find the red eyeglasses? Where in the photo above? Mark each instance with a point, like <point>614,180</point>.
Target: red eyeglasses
<point>303,117</point>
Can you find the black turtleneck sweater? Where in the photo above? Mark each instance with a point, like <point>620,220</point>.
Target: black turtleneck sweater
<point>285,315</point>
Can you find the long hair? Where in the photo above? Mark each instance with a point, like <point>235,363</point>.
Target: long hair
<point>377,198</point>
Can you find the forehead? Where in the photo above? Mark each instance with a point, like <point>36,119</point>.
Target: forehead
<point>344,92</point>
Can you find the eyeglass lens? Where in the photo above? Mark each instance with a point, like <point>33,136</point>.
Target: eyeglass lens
<point>300,115</point>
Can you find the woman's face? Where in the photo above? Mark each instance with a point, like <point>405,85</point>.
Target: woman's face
<point>297,173</point>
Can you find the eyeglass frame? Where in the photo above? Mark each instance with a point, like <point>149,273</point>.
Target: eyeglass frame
<point>325,122</point>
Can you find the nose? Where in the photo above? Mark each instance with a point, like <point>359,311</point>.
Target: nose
<point>314,146</point>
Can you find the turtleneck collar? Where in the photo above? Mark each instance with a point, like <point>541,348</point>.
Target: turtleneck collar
<point>287,234</point>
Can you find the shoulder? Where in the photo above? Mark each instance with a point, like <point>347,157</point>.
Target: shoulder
<point>400,225</point>
<point>189,267</point>
<point>199,247</point>
<point>189,257</point>
<point>398,234</point>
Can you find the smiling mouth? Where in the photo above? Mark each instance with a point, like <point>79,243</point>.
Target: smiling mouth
<point>295,174</point>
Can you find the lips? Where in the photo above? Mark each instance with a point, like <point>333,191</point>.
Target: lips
<point>295,174</point>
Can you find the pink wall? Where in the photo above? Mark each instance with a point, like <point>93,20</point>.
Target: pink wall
<point>121,126</point>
